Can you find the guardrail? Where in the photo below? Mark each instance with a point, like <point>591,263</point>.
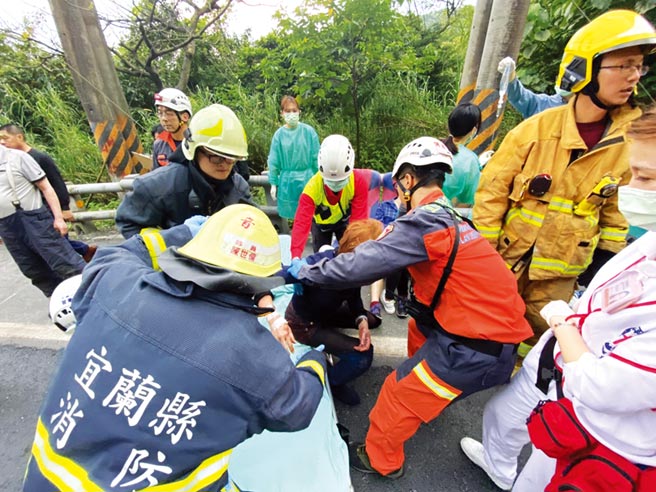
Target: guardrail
<point>85,217</point>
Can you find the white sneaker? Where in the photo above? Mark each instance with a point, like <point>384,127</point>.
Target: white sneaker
<point>388,306</point>
<point>475,452</point>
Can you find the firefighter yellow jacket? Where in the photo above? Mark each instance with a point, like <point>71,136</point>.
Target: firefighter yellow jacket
<point>515,221</point>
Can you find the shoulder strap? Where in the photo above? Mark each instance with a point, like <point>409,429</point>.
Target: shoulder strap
<point>452,257</point>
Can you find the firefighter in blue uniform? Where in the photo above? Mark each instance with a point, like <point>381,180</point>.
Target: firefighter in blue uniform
<point>169,369</point>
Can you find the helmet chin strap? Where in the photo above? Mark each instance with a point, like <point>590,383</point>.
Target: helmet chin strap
<point>407,194</point>
<point>180,122</point>
<point>595,99</point>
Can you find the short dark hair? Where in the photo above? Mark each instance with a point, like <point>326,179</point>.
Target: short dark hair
<point>463,119</point>
<point>12,129</point>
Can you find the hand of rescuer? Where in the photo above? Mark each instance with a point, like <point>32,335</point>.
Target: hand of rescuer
<point>195,223</point>
<point>364,335</point>
<point>295,267</point>
<point>281,331</point>
<point>273,192</point>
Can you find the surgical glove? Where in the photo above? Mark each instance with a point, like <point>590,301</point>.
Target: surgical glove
<point>507,62</point>
<point>555,308</point>
<point>195,223</point>
<point>273,192</point>
<point>485,157</point>
<point>296,266</point>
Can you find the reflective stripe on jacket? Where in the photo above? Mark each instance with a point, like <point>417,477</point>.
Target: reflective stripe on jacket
<point>514,221</point>
<point>480,298</point>
<point>160,382</point>
<point>314,206</point>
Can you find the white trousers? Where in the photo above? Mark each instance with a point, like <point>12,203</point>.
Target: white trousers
<point>505,432</point>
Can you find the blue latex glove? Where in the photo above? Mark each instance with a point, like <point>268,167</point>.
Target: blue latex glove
<point>195,223</point>
<point>295,267</point>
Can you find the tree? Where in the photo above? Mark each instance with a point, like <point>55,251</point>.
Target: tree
<point>335,47</point>
<point>164,34</point>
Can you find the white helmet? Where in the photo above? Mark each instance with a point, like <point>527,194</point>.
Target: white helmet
<point>424,151</point>
<point>173,99</point>
<point>60,303</point>
<point>336,158</point>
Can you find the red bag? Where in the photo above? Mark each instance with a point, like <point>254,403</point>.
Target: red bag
<point>555,429</point>
<point>600,470</point>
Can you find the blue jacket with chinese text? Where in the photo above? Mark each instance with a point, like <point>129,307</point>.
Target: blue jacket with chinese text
<point>160,381</point>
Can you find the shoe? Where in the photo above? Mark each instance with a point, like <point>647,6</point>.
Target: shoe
<point>401,310</point>
<point>91,250</point>
<point>388,304</point>
<point>475,452</point>
<point>345,394</point>
<point>359,461</point>
<point>375,310</point>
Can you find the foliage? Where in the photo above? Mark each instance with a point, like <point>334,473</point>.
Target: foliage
<point>388,125</point>
<point>37,93</point>
<point>550,25</point>
<point>163,36</point>
<point>371,70</point>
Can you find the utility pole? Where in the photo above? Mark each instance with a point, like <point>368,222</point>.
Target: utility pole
<point>477,37</point>
<point>501,24</point>
<point>97,84</point>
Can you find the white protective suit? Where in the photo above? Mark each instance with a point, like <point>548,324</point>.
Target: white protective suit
<point>613,389</point>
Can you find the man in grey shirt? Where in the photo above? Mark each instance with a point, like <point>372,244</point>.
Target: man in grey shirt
<point>33,239</point>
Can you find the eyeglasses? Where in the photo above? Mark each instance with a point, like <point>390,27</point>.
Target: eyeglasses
<point>216,158</point>
<point>165,112</point>
<point>628,69</point>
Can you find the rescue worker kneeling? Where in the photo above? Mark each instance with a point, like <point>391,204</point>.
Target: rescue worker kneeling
<point>467,317</point>
<point>169,370</point>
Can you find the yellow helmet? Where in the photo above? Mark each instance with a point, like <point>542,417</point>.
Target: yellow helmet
<point>217,128</point>
<point>612,31</point>
<point>240,238</point>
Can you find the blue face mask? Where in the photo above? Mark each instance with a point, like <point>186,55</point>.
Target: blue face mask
<point>336,186</point>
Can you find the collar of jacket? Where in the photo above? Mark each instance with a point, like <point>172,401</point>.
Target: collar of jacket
<point>569,133</point>
<point>182,289</point>
<point>212,278</point>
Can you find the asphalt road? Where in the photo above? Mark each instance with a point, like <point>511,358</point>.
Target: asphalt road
<point>30,348</point>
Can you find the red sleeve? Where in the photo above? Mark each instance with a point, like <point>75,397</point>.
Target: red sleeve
<point>302,225</point>
<point>359,206</point>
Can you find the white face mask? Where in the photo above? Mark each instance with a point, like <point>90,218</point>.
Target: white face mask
<point>336,186</point>
<point>638,206</point>
<point>291,119</point>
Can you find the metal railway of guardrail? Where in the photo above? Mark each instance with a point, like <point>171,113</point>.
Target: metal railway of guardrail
<point>124,185</point>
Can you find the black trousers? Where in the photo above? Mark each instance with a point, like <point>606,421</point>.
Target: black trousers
<point>41,253</point>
